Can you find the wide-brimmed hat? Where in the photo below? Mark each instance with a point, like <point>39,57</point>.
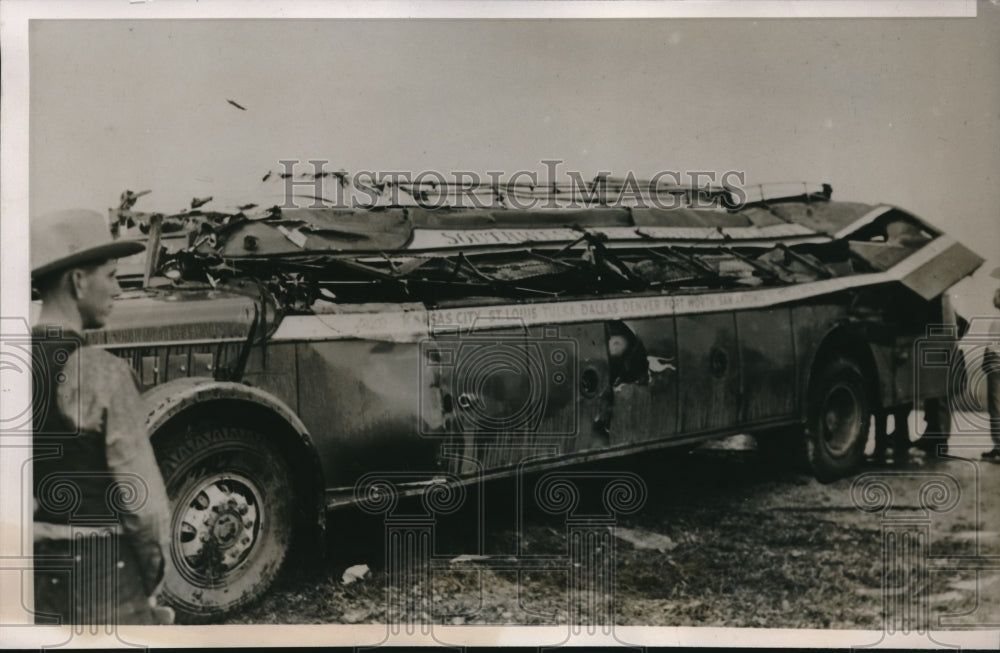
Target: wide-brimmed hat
<point>74,237</point>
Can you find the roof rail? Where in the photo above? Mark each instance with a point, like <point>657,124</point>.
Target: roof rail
<point>778,191</point>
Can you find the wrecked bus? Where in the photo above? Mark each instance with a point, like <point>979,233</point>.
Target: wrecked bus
<point>286,354</point>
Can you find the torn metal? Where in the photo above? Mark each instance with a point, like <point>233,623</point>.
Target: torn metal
<point>435,256</point>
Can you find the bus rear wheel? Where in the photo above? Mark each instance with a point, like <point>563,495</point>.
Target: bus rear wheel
<point>839,415</point>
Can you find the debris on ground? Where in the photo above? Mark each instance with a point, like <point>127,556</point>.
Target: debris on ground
<point>355,616</point>
<point>643,539</point>
<point>946,597</point>
<point>733,565</point>
<point>468,558</point>
<point>354,573</point>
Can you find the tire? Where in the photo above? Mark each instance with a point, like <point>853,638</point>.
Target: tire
<point>231,519</point>
<point>839,415</point>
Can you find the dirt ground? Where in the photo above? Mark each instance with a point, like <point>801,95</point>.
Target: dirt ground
<point>724,538</point>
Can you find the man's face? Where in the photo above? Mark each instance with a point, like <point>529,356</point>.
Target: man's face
<point>617,346</point>
<point>96,288</point>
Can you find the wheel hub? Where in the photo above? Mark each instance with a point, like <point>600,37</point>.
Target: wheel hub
<point>225,529</point>
<point>218,528</point>
<point>841,415</point>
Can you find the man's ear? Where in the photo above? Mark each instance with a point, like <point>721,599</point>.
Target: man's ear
<point>77,282</point>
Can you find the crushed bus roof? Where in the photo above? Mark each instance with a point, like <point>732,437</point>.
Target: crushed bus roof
<point>435,254</point>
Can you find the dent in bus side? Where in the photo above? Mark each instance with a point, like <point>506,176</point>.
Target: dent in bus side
<point>364,401</point>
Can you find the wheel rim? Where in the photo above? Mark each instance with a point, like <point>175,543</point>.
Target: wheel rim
<point>216,528</point>
<point>841,418</point>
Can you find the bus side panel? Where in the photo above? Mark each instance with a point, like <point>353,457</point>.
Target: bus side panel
<point>487,395</point>
<point>363,403</point>
<point>767,355</point>
<point>573,394</point>
<point>272,368</point>
<point>708,372</point>
<point>810,325</point>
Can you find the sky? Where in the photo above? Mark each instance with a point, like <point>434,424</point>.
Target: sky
<point>904,111</point>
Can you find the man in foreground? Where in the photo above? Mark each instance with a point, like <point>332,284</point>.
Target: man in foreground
<point>101,511</point>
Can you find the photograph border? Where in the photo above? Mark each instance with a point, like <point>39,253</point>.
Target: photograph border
<point>15,542</point>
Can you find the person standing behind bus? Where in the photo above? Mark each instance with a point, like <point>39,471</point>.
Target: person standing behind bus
<point>991,366</point>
